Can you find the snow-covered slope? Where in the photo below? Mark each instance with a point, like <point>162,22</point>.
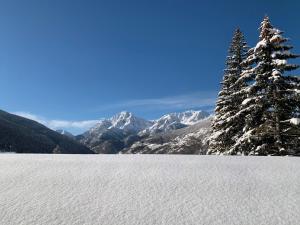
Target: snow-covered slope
<point>175,121</point>
<point>148,190</point>
<point>189,140</point>
<point>191,117</point>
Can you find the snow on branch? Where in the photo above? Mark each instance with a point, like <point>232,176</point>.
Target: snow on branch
<point>295,121</point>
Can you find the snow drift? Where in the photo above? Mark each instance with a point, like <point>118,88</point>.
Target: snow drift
<point>148,189</point>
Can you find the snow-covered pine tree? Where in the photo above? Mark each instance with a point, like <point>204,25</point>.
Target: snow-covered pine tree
<point>268,103</point>
<point>291,127</point>
<point>225,129</point>
<point>296,119</point>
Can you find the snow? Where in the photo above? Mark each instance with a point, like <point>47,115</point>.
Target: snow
<point>280,53</point>
<point>260,44</point>
<point>192,117</point>
<point>174,121</point>
<point>276,38</point>
<point>245,102</point>
<point>275,31</point>
<point>276,73</point>
<point>280,62</point>
<point>127,121</point>
<point>295,121</point>
<point>148,190</point>
<point>124,120</point>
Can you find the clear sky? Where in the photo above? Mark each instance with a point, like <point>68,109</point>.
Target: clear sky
<point>81,60</point>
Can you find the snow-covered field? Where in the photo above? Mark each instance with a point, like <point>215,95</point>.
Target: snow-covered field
<point>148,189</point>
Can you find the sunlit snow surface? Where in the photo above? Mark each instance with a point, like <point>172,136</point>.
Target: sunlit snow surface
<point>148,189</point>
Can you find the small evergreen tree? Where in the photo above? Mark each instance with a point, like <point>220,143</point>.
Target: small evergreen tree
<point>225,129</point>
<point>270,100</point>
<point>57,150</point>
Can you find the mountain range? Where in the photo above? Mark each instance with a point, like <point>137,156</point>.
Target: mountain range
<point>174,133</point>
<point>126,133</point>
<point>192,139</point>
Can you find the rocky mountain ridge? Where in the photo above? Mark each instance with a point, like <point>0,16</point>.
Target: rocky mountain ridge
<point>126,133</point>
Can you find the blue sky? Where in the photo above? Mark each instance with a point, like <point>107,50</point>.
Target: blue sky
<point>71,61</point>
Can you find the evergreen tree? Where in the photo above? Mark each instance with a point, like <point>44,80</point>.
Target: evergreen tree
<point>291,127</point>
<point>270,96</point>
<point>225,129</point>
<point>57,150</point>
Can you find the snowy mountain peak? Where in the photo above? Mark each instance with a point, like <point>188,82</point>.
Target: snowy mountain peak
<point>129,122</point>
<point>175,121</point>
<point>125,121</point>
<point>191,117</point>
<point>122,116</point>
<point>124,129</point>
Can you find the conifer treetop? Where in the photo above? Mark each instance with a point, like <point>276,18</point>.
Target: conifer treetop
<point>265,28</point>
